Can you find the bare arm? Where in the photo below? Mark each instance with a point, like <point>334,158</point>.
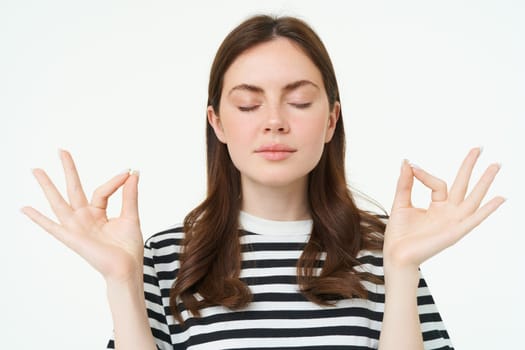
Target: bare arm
<point>413,235</point>
<point>128,310</point>
<point>401,328</point>
<point>114,247</point>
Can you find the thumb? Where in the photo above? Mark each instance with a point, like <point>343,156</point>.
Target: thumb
<point>403,196</point>
<point>130,208</point>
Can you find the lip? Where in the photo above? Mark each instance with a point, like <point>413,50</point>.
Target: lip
<point>275,147</point>
<point>277,151</point>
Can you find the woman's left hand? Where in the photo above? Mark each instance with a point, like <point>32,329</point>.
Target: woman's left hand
<point>413,235</point>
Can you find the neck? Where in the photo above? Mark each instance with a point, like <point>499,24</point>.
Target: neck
<point>282,203</point>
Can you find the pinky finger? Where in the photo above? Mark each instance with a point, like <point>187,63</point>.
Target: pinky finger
<point>44,222</point>
<point>481,214</point>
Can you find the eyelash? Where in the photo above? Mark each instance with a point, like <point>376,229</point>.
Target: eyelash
<point>301,105</point>
<point>253,108</point>
<point>248,108</point>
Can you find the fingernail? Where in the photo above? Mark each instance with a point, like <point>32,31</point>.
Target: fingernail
<point>125,171</point>
<point>414,165</point>
<point>403,162</point>
<point>480,149</point>
<point>134,172</point>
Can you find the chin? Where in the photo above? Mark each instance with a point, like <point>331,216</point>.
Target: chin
<point>277,179</point>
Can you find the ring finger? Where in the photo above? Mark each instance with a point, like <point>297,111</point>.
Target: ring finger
<point>59,206</point>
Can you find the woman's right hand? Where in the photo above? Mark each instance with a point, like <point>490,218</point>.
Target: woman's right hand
<point>113,246</point>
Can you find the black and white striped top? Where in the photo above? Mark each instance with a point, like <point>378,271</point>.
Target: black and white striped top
<point>279,317</point>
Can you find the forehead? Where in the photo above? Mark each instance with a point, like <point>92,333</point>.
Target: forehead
<point>272,64</point>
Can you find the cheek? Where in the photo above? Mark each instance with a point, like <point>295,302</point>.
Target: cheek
<point>313,132</point>
<point>239,136</point>
<point>238,132</point>
<point>314,141</point>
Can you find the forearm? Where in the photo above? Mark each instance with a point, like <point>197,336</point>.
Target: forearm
<point>130,320</point>
<point>401,328</point>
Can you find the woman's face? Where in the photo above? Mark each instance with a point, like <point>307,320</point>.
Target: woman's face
<point>274,114</point>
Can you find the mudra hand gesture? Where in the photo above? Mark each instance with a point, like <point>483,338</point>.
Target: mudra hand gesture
<point>413,234</point>
<point>112,246</point>
<point>115,246</point>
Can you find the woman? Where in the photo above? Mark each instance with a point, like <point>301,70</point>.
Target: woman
<point>277,255</point>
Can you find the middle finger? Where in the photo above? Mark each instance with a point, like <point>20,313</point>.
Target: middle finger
<point>459,188</point>
<point>75,193</point>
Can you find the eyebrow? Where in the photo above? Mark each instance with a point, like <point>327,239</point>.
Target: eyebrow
<point>288,87</point>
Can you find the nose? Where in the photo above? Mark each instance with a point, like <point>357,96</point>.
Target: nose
<point>276,122</point>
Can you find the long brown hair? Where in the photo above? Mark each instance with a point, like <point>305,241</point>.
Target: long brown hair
<point>210,263</point>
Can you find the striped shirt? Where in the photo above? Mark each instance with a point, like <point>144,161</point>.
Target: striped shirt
<point>279,317</point>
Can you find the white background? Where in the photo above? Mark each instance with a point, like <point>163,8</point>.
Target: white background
<point>124,84</point>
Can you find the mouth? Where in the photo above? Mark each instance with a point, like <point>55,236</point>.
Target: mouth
<point>275,151</point>
<point>276,147</point>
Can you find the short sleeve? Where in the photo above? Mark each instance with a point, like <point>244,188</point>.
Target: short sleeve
<point>435,335</point>
<point>154,305</point>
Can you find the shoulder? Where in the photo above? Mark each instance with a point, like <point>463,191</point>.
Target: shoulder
<point>162,258</point>
<point>166,241</point>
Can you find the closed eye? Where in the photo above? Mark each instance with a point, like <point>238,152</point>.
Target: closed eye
<point>301,105</point>
<point>248,108</point>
